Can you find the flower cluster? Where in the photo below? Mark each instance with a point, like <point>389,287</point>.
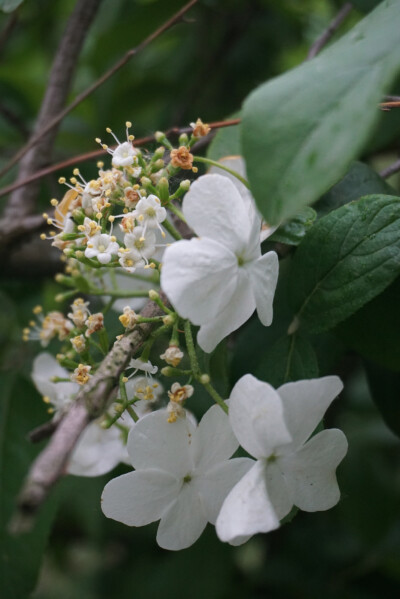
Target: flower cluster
<point>135,233</point>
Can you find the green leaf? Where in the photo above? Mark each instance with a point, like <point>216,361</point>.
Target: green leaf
<point>373,331</point>
<point>293,231</point>
<point>9,5</point>
<point>385,391</point>
<point>365,5</point>
<point>360,180</point>
<point>226,142</point>
<point>20,556</point>
<point>302,129</point>
<point>347,258</point>
<point>291,358</point>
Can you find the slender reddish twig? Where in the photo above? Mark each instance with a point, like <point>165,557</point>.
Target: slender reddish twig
<point>120,63</point>
<point>330,30</point>
<point>98,153</point>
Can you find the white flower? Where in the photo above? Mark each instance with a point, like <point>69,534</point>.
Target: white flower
<point>102,247</point>
<point>98,450</point>
<point>124,154</point>
<point>237,164</point>
<point>149,212</point>
<point>138,364</point>
<point>138,249</point>
<point>217,281</point>
<point>182,476</point>
<point>274,426</point>
<point>45,367</point>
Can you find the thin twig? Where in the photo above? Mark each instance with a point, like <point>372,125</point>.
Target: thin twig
<point>330,30</point>
<point>91,401</point>
<point>390,170</point>
<point>119,64</point>
<point>99,153</point>
<point>23,202</point>
<point>389,105</point>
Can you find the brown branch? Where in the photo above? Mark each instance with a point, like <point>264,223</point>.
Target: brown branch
<point>120,63</point>
<point>99,153</point>
<point>390,170</point>
<point>91,401</point>
<point>389,105</point>
<point>330,30</point>
<point>22,202</point>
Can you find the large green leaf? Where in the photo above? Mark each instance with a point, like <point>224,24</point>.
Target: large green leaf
<point>360,180</point>
<point>291,358</point>
<point>302,129</point>
<point>348,257</point>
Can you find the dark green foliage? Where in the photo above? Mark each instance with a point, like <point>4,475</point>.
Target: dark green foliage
<point>346,259</point>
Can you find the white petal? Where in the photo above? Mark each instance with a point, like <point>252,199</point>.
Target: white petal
<point>46,366</point>
<point>278,490</point>
<point>104,258</point>
<point>91,252</point>
<point>239,309</point>
<point>138,498</point>
<point>184,521</point>
<point>256,416</point>
<point>98,451</point>
<point>213,441</point>
<point>310,473</point>
<point>215,484</point>
<point>263,277</point>
<point>305,403</point>
<point>155,443</point>
<point>214,208</point>
<point>247,509</point>
<point>199,277</point>
<point>237,164</point>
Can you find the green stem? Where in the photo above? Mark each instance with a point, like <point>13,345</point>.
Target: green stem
<point>155,277</point>
<point>191,349</point>
<point>176,211</point>
<point>118,293</point>
<point>221,166</point>
<point>132,413</point>
<point>216,396</point>
<point>171,230</point>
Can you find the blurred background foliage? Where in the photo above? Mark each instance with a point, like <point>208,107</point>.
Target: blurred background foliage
<point>204,67</point>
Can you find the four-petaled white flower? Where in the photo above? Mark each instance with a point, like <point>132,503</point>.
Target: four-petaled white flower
<point>182,476</point>
<point>102,247</point>
<point>98,450</point>
<point>274,426</point>
<point>219,279</point>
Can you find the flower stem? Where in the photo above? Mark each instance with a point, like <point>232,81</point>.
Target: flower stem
<point>216,396</point>
<point>176,211</point>
<point>171,230</point>
<point>191,349</point>
<point>221,166</point>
